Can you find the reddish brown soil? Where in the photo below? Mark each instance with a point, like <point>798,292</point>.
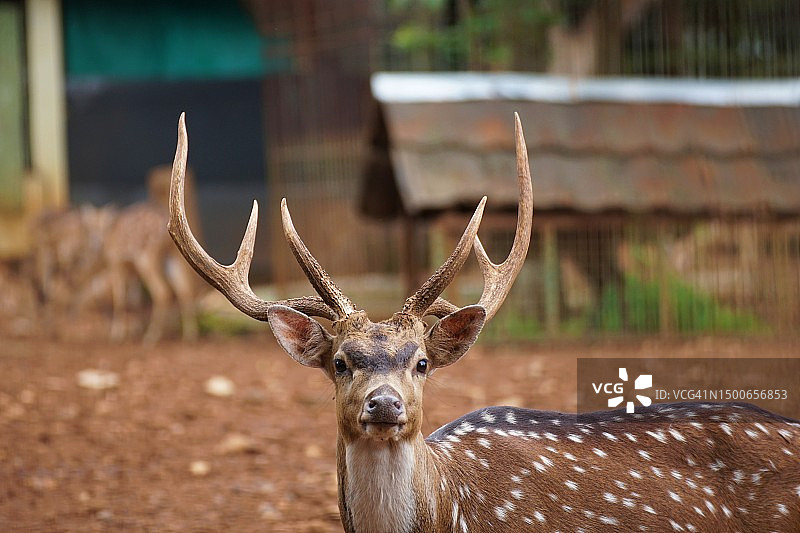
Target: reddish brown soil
<point>73,459</point>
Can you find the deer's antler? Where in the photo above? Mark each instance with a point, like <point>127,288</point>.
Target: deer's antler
<point>232,280</point>
<point>498,279</point>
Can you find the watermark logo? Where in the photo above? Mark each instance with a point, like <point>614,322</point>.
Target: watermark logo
<point>644,381</point>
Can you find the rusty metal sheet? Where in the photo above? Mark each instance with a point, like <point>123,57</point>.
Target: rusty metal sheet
<point>433,181</point>
<point>598,155</point>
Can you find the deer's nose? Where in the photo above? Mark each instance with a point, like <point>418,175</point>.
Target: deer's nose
<point>383,406</point>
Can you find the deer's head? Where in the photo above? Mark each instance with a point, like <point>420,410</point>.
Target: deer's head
<point>378,368</point>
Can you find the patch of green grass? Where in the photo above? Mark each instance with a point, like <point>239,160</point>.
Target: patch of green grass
<point>690,310</point>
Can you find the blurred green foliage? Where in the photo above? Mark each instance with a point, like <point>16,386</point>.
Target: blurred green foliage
<point>639,311</point>
<point>472,34</point>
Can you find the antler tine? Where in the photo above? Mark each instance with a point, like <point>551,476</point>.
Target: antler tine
<point>498,279</point>
<point>420,301</point>
<point>320,280</point>
<point>231,280</point>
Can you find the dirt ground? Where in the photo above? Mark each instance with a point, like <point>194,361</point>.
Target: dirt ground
<point>159,453</point>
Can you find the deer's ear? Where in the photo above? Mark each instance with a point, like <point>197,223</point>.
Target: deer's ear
<point>300,335</point>
<point>452,336</point>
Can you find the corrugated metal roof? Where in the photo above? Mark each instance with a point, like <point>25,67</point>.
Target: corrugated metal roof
<point>593,155</point>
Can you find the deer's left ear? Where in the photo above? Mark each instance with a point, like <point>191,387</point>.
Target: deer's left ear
<point>301,336</point>
<point>452,336</point>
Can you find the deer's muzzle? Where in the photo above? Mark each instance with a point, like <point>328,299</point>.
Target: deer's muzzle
<point>383,407</point>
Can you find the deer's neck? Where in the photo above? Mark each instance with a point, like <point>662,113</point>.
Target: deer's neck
<point>390,487</point>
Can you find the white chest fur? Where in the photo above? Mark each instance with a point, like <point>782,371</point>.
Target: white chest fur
<point>380,493</point>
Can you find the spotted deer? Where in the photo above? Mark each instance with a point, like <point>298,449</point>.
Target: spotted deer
<point>136,247</point>
<point>681,467</point>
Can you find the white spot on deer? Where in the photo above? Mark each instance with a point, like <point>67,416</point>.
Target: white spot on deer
<point>690,527</point>
<point>696,425</point>
<point>471,455</point>
<point>676,474</point>
<point>488,417</point>
<point>677,435</point>
<point>756,478</point>
<point>675,496</point>
<point>649,509</point>
<point>738,476</point>
<point>516,479</point>
<point>644,455</point>
<point>620,484</point>
<point>629,503</point>
<point>511,418</point>
<point>676,526</point>
<point>546,460</point>
<point>575,438</point>
<point>587,431</point>
<point>600,453</point>
<point>539,516</point>
<point>631,437</point>
<point>659,435</point>
<point>785,433</point>
<point>485,443</point>
<point>500,513</point>
<point>787,452</point>
<point>534,435</point>
<point>566,508</point>
<point>611,521</point>
<point>609,436</point>
<point>708,490</point>
<point>657,471</point>
<point>539,466</point>
<point>453,438</point>
<point>524,471</point>
<point>726,428</point>
<point>760,426</point>
<point>579,469</point>
<point>570,456</point>
<point>552,496</point>
<point>550,436</point>
<point>484,463</point>
<point>690,461</point>
<point>783,509</point>
<point>727,512</point>
<point>500,432</point>
<point>610,498</point>
<point>463,524</point>
<point>635,474</point>
<point>588,513</point>
<point>527,520</point>
<point>752,434</point>
<point>691,484</point>
<point>710,507</point>
<point>717,465</point>
<point>797,490</point>
<point>571,484</point>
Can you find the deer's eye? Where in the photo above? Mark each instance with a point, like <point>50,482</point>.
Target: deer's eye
<point>422,366</point>
<point>339,365</point>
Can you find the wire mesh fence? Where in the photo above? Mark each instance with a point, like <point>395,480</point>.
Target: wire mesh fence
<point>630,274</point>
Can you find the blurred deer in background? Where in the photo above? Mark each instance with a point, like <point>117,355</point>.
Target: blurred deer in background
<point>84,255</point>
<point>136,246</point>
<point>66,257</point>
<point>681,467</point>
